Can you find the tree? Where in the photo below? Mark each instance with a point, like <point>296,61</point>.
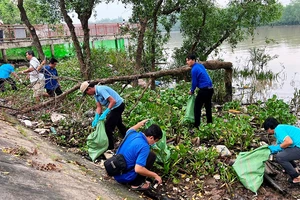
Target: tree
<point>148,37</point>
<point>84,11</point>
<point>9,13</point>
<point>291,14</point>
<point>205,26</point>
<point>43,11</point>
<point>31,28</point>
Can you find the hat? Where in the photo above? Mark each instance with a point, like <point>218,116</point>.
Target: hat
<point>84,86</point>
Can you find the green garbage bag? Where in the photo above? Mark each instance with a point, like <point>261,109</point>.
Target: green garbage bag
<point>250,167</point>
<point>189,112</point>
<point>97,141</point>
<point>160,147</point>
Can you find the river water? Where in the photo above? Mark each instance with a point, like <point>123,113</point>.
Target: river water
<point>286,47</point>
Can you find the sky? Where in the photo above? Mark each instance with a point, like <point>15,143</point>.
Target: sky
<point>117,9</point>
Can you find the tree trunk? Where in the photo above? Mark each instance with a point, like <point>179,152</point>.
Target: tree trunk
<point>153,43</point>
<point>76,43</point>
<point>140,47</point>
<point>213,65</point>
<point>35,38</point>
<point>86,47</point>
<point>84,15</point>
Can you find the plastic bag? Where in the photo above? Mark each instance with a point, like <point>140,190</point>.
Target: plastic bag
<point>189,112</point>
<point>250,167</point>
<point>160,147</point>
<point>97,141</point>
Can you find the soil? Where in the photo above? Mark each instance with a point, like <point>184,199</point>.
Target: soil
<point>32,168</point>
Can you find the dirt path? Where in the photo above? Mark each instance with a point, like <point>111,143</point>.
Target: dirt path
<point>32,168</point>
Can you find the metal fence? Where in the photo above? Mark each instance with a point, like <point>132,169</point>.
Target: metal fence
<point>21,32</point>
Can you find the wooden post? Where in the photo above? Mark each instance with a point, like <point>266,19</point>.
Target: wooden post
<point>4,56</point>
<point>93,44</point>
<point>228,84</point>
<point>116,43</point>
<point>52,49</point>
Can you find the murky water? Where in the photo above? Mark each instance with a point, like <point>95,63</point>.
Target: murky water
<point>286,47</point>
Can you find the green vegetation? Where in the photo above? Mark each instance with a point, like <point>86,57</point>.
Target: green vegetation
<point>166,107</point>
<point>290,14</point>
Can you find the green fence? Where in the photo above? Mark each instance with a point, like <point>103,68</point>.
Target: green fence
<point>63,50</point>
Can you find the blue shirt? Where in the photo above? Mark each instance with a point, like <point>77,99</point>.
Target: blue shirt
<point>6,70</point>
<point>51,75</point>
<point>283,130</point>
<point>200,77</point>
<point>102,92</point>
<point>135,150</point>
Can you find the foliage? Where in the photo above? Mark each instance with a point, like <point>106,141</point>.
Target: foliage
<point>110,63</point>
<point>210,25</point>
<point>290,14</point>
<point>9,12</point>
<point>43,11</point>
<point>274,107</point>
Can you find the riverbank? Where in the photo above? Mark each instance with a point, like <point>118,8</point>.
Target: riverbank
<point>32,168</point>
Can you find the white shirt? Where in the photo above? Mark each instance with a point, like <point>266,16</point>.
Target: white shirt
<point>35,75</point>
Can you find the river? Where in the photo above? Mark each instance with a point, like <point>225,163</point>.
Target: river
<point>286,47</point>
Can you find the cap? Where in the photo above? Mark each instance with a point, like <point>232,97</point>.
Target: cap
<point>84,86</point>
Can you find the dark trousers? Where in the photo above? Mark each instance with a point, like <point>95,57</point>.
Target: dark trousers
<point>149,164</point>
<point>56,91</point>
<point>113,120</point>
<point>203,97</point>
<point>10,81</point>
<point>286,159</point>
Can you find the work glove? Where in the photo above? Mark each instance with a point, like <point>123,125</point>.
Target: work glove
<point>20,80</point>
<point>96,119</point>
<point>103,116</point>
<point>274,148</point>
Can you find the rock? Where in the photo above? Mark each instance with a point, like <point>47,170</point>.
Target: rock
<point>262,143</point>
<point>108,154</point>
<point>55,117</point>
<point>27,123</point>
<point>127,86</point>
<point>223,150</point>
<point>217,177</point>
<point>41,131</point>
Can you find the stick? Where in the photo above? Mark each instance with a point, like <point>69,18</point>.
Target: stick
<point>274,184</point>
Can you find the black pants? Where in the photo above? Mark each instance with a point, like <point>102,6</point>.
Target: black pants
<point>149,164</point>
<point>286,159</point>
<point>10,81</point>
<point>113,120</point>
<point>204,97</point>
<point>57,91</point>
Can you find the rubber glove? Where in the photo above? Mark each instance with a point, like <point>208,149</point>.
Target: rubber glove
<point>96,119</point>
<point>103,116</point>
<point>274,148</point>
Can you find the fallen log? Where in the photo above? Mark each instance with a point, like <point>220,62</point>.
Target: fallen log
<point>212,64</point>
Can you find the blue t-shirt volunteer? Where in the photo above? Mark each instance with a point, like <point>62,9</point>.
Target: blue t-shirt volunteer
<point>135,150</point>
<point>51,76</point>
<point>200,77</point>
<point>102,92</point>
<point>6,70</point>
<point>283,130</point>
